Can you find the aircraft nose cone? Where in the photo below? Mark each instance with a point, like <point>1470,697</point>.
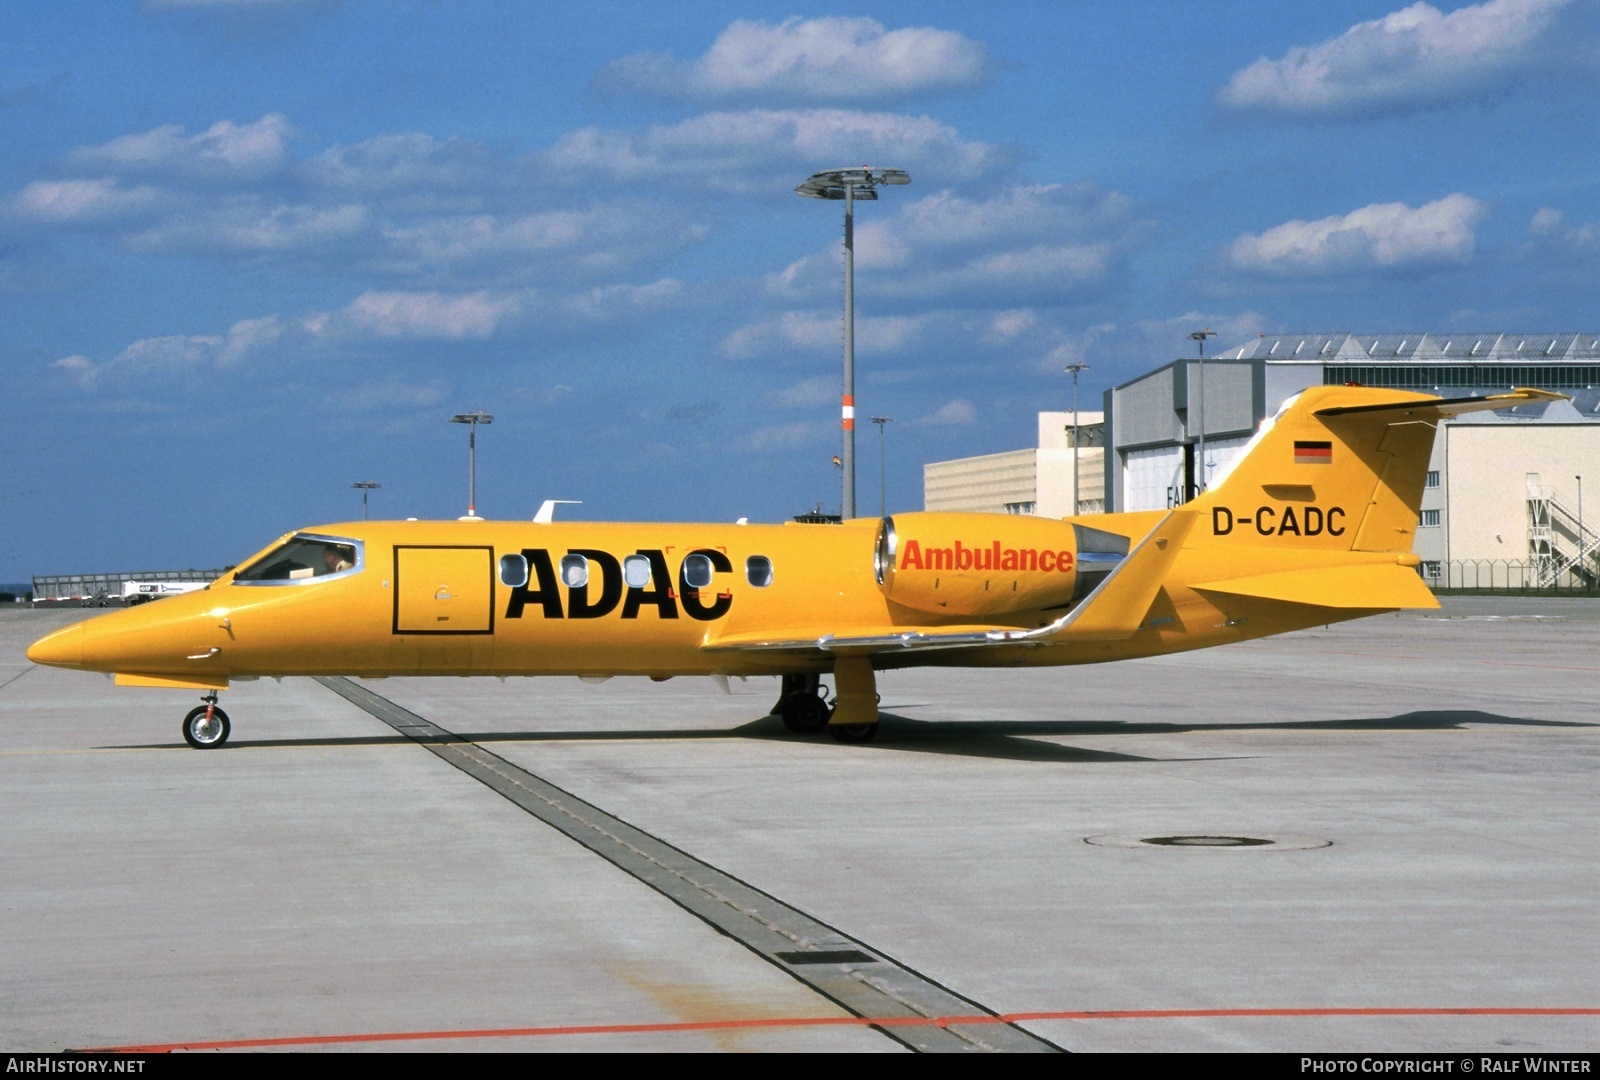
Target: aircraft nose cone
<point>64,648</point>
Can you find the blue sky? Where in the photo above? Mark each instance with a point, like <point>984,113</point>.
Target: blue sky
<point>254,251</point>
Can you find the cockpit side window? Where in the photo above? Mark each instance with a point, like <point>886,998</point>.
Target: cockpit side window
<point>303,558</point>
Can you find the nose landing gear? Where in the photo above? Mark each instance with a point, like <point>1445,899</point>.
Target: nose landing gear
<point>206,727</point>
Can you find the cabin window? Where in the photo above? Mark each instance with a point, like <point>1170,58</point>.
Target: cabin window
<point>636,571</point>
<point>696,572</point>
<point>574,571</point>
<point>303,558</point>
<point>514,570</point>
<point>758,571</point>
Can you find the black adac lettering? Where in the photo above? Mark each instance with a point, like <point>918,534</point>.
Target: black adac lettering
<point>1313,520</point>
<point>692,602</point>
<point>1221,521</point>
<point>1265,527</point>
<point>1332,511</point>
<point>578,606</point>
<point>1290,526</point>
<point>659,597</point>
<point>547,596</point>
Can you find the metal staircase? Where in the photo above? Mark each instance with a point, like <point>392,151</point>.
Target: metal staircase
<point>1559,541</point>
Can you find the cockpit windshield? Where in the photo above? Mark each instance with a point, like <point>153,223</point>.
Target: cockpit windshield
<point>303,557</point>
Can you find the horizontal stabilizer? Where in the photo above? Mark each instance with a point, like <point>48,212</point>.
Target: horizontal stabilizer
<point>1374,586</point>
<point>1445,408</point>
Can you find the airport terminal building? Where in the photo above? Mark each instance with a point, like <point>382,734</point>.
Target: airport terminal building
<point>1504,498</point>
<point>1037,481</point>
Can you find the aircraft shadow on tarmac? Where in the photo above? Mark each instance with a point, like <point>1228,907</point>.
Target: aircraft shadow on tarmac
<point>1005,740</point>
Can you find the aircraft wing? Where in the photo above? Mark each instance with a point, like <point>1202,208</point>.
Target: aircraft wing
<point>1114,610</point>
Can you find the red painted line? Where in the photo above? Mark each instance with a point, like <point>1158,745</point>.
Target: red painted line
<point>1187,1014</point>
<point>842,1021</point>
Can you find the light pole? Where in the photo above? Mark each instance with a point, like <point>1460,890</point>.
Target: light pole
<point>472,420</point>
<point>1074,369</point>
<point>882,501</point>
<point>849,185</point>
<point>365,486</point>
<point>1199,338</point>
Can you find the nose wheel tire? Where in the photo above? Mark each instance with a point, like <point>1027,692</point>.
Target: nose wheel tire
<point>205,732</point>
<point>853,733</point>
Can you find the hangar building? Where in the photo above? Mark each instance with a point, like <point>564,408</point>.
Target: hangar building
<point>1504,498</point>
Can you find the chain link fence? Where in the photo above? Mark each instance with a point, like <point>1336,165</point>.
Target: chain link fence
<point>1506,576</point>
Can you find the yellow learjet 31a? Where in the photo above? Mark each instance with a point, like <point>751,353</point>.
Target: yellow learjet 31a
<point>1313,525</point>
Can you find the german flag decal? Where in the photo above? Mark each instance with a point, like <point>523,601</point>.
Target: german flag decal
<point>1313,453</point>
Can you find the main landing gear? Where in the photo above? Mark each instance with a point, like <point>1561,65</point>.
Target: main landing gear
<point>803,704</point>
<point>206,727</point>
<point>853,717</point>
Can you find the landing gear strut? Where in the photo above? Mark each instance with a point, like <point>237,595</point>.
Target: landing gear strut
<point>853,717</point>
<point>802,705</point>
<point>206,727</point>
<point>855,707</point>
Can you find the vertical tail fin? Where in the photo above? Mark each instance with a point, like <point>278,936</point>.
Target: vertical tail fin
<point>1339,468</point>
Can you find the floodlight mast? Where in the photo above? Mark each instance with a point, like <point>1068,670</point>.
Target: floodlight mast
<point>882,482</point>
<point>365,486</point>
<point>849,185</point>
<point>1073,370</point>
<point>472,419</point>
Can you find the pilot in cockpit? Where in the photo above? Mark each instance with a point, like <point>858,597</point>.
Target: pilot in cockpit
<point>337,557</point>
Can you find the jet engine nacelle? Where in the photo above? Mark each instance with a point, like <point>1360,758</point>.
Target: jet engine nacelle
<point>989,564</point>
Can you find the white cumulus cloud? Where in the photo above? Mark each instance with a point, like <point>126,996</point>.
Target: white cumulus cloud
<point>224,151</point>
<point>956,413</point>
<point>385,395</point>
<point>808,60</point>
<point>1383,235</point>
<point>1557,243</point>
<point>85,201</point>
<point>1041,243</point>
<point>757,149</point>
<point>811,332</point>
<point>428,315</point>
<point>247,225</point>
<point>406,206</point>
<point>1415,56</point>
